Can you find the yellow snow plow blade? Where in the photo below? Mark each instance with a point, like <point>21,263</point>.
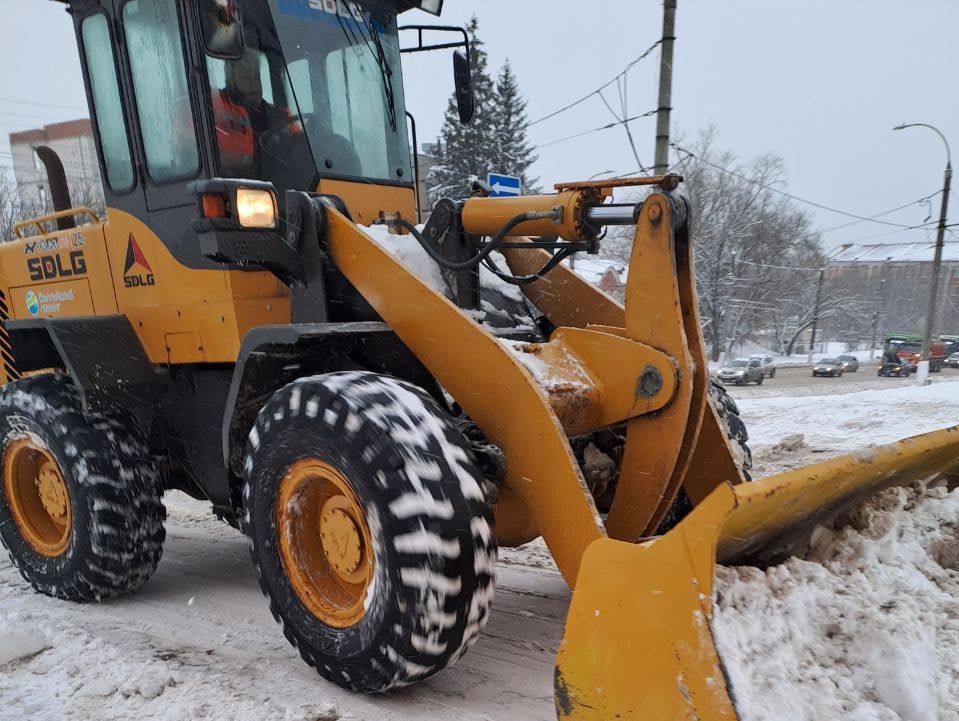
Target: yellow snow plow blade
<point>638,643</point>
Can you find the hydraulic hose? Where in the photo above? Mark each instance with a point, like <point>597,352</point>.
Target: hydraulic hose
<point>492,245</point>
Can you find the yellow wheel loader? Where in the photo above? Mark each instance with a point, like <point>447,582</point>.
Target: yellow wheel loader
<point>229,329</point>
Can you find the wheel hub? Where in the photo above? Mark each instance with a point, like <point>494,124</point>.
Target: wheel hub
<point>37,496</point>
<point>52,490</point>
<point>341,539</point>
<point>324,542</point>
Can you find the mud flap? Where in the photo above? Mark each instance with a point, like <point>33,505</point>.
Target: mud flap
<point>638,643</point>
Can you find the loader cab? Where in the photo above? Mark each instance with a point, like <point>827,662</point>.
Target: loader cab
<point>304,95</point>
<point>308,92</point>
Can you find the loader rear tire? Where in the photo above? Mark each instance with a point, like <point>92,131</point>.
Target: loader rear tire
<point>374,464</point>
<point>80,509</point>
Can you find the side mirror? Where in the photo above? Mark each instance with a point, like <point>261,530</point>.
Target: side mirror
<point>463,84</point>
<point>222,29</point>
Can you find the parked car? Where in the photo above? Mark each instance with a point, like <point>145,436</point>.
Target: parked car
<point>742,371</point>
<point>767,362</point>
<point>831,367</point>
<point>953,361</point>
<point>849,363</point>
<point>898,369</point>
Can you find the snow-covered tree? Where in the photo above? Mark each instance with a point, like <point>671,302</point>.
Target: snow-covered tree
<point>514,156</point>
<point>467,152</point>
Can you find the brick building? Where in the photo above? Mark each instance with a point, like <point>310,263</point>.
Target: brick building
<point>891,280</point>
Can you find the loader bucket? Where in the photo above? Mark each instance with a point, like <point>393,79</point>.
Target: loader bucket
<point>638,643</point>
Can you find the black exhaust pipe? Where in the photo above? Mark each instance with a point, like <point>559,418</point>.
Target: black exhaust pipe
<point>57,179</point>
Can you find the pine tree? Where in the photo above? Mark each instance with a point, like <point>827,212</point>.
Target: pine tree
<point>467,152</point>
<point>514,155</point>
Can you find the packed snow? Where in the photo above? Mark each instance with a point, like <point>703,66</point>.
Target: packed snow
<point>845,422</point>
<point>864,627</point>
<point>410,252</point>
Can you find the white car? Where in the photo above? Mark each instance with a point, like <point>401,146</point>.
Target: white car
<point>767,362</point>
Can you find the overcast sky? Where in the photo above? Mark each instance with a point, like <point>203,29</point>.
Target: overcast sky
<point>819,82</point>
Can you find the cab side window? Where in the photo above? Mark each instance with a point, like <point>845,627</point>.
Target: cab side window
<point>160,85</point>
<point>107,106</point>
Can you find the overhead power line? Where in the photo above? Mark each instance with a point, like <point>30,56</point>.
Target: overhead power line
<point>600,88</point>
<point>885,212</point>
<point>41,105</point>
<point>6,161</point>
<point>596,130</point>
<point>798,199</point>
<point>922,226</point>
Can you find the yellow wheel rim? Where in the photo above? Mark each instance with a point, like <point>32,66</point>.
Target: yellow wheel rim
<point>37,496</point>
<point>324,542</point>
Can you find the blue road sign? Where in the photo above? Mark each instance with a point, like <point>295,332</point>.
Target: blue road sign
<point>503,185</point>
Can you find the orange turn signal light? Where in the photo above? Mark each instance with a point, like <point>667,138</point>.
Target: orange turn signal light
<point>213,206</point>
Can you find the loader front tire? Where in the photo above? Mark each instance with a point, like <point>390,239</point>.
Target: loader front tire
<point>80,509</point>
<point>370,529</point>
<point>728,414</point>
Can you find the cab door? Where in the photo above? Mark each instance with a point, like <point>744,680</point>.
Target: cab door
<point>156,43</point>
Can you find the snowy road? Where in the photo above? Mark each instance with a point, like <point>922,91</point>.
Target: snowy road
<point>198,642</point>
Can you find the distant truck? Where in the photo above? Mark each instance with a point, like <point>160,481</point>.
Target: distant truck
<point>909,350</point>
<point>951,343</point>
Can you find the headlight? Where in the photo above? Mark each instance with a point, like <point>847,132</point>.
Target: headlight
<point>234,204</point>
<point>255,208</point>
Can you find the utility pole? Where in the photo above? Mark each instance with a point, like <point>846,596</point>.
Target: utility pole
<point>815,315</point>
<point>880,309</point>
<point>936,265</point>
<point>661,162</point>
<point>923,373</point>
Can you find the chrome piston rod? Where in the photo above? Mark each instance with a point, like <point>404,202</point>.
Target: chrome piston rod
<point>614,214</point>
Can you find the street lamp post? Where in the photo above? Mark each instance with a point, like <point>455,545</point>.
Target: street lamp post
<point>937,258</point>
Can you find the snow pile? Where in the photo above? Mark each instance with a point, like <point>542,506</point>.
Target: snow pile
<point>408,250</point>
<point>865,627</point>
<point>846,422</point>
<point>19,639</point>
<point>411,254</point>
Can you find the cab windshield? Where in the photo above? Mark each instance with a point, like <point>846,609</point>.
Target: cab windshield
<point>318,92</point>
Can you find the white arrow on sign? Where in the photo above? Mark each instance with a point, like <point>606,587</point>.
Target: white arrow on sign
<point>508,189</point>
